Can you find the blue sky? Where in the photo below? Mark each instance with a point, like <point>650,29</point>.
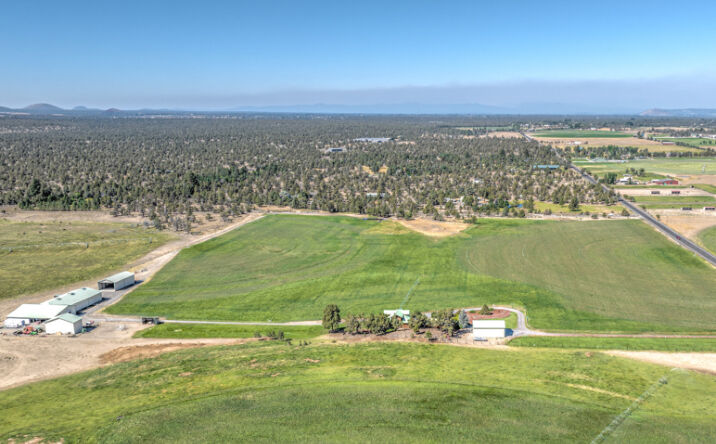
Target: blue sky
<point>218,55</point>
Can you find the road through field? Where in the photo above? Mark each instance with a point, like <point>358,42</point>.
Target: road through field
<point>651,220</point>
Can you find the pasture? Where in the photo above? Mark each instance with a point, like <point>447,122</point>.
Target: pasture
<point>595,275</point>
<point>698,142</point>
<point>668,201</point>
<point>671,166</point>
<point>616,343</point>
<point>708,238</point>
<point>193,331</point>
<point>36,256</point>
<point>373,392</point>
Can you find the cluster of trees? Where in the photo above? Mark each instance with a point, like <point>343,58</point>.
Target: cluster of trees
<point>447,321</point>
<point>165,169</point>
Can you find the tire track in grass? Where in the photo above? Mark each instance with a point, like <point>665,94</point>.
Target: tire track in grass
<point>619,420</point>
<point>407,296</point>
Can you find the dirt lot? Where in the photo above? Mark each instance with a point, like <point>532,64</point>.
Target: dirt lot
<point>708,179</point>
<point>688,223</point>
<point>434,228</point>
<point>702,362</point>
<point>663,192</point>
<point>503,134</point>
<point>25,359</point>
<point>615,141</point>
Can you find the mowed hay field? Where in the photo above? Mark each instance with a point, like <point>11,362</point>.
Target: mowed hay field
<point>592,275</point>
<point>373,392</point>
<point>36,256</point>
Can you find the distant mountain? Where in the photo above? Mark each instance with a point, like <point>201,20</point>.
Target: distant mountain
<point>42,108</point>
<point>685,112</point>
<point>384,108</point>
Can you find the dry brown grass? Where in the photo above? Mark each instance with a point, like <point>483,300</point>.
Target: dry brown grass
<point>688,223</point>
<point>702,362</point>
<point>503,134</point>
<point>434,228</point>
<point>650,145</point>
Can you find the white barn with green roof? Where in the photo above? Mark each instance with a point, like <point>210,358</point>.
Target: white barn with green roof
<point>26,314</point>
<point>117,281</point>
<point>77,300</point>
<point>66,323</point>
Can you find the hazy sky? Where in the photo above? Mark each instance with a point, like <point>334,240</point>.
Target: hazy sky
<point>624,55</point>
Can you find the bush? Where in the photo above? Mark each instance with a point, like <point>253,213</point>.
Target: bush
<point>331,317</point>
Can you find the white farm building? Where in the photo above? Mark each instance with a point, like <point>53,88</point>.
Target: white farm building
<point>66,323</point>
<point>488,329</point>
<point>76,300</point>
<point>26,314</point>
<point>117,281</point>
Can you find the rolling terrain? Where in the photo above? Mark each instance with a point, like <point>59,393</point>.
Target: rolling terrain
<point>595,275</point>
<point>36,256</point>
<point>271,391</point>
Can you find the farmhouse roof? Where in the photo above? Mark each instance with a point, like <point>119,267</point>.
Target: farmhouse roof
<point>37,311</point>
<point>74,296</point>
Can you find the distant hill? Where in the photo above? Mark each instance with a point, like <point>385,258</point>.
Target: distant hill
<point>42,108</point>
<point>685,112</point>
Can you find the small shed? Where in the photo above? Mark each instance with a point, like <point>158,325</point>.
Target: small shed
<point>402,314</point>
<point>77,300</point>
<point>66,323</point>
<point>117,281</point>
<point>26,314</point>
<point>488,328</point>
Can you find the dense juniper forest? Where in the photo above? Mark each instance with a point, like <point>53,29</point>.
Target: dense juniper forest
<point>168,167</point>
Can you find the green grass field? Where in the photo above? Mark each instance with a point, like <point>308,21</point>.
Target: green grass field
<point>575,134</point>
<point>192,331</point>
<point>708,238</point>
<point>656,344</point>
<point>698,142</point>
<point>674,165</point>
<point>30,252</point>
<point>596,275</point>
<point>675,199</point>
<point>556,208</point>
<point>374,392</point>
<point>668,201</point>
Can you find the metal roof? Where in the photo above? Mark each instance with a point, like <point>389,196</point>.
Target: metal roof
<point>74,296</point>
<point>488,323</point>
<point>69,317</point>
<point>118,277</point>
<point>37,311</point>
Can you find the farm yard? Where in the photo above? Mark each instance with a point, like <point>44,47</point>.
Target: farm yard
<point>364,392</point>
<point>36,256</point>
<point>596,275</point>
